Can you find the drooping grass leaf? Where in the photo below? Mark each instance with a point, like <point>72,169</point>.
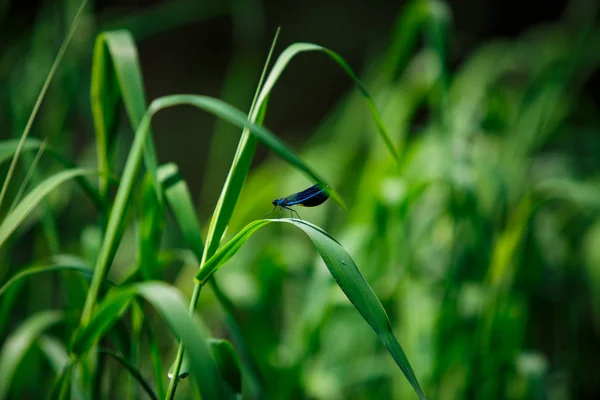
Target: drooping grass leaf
<point>9,147</point>
<point>18,343</point>
<point>30,271</point>
<point>171,306</point>
<point>132,369</point>
<point>346,274</point>
<point>20,212</point>
<point>298,48</point>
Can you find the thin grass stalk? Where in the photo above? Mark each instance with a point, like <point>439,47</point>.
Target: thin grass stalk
<point>211,233</point>
<point>38,102</point>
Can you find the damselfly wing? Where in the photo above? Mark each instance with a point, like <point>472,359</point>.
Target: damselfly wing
<point>311,197</point>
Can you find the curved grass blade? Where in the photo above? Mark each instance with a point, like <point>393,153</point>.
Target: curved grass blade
<point>14,218</point>
<point>116,77</point>
<point>297,48</point>
<point>171,306</point>
<point>132,369</point>
<point>55,352</point>
<point>28,272</point>
<point>16,345</point>
<point>346,274</point>
<point>9,147</point>
<point>228,362</point>
<point>214,106</point>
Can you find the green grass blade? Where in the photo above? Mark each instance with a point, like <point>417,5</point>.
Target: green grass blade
<point>150,230</point>
<point>209,104</point>
<point>171,306</point>
<point>297,48</point>
<point>55,352</point>
<point>169,303</point>
<point>16,345</point>
<point>33,198</point>
<point>31,271</point>
<point>346,274</point>
<point>228,362</point>
<point>40,98</point>
<point>132,369</point>
<point>107,313</point>
<point>179,199</point>
<point>116,76</point>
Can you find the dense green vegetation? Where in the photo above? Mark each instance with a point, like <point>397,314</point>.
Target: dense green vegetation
<point>462,229</point>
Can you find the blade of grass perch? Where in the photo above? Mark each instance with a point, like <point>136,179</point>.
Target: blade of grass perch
<point>16,346</point>
<point>38,102</point>
<point>14,218</point>
<point>346,274</point>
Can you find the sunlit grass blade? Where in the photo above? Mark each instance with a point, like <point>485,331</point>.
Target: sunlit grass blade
<point>132,369</point>
<point>33,198</point>
<point>40,98</point>
<point>344,271</point>
<point>55,351</point>
<point>18,343</point>
<point>116,77</point>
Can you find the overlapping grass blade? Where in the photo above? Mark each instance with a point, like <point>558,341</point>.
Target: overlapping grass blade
<point>346,274</point>
<point>55,351</point>
<point>20,212</point>
<point>132,369</point>
<point>116,77</point>
<point>170,305</point>
<point>18,343</point>
<point>228,362</point>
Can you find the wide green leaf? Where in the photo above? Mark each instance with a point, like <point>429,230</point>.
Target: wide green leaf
<point>344,271</point>
<point>19,342</point>
<point>33,198</point>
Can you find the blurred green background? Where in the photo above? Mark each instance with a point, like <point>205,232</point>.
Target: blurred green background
<point>483,242</point>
